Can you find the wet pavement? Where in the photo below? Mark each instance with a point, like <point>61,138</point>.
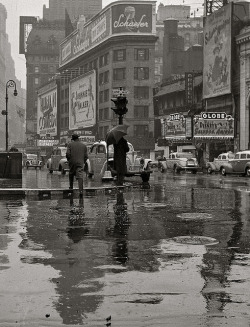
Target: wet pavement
<point>176,254</point>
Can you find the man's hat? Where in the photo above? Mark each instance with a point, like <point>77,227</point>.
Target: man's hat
<point>74,136</point>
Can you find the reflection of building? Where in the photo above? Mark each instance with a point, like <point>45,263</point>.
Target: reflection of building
<point>118,44</point>
<point>16,104</point>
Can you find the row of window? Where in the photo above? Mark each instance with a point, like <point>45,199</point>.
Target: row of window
<point>140,73</point>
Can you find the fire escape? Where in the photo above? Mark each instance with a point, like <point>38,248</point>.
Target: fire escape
<point>213,5</point>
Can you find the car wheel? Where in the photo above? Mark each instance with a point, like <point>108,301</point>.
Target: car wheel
<point>209,170</point>
<point>63,172</point>
<point>162,169</point>
<point>248,171</point>
<point>194,171</point>
<point>223,171</point>
<point>51,171</point>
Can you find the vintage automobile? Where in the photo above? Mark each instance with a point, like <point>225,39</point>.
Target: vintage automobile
<point>180,161</point>
<point>97,161</point>
<point>58,161</point>
<point>240,164</point>
<point>31,160</point>
<point>219,162</point>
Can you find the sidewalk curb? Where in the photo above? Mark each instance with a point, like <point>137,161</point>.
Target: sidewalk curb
<point>65,193</point>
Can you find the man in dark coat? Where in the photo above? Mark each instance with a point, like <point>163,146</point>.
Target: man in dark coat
<point>120,150</point>
<point>77,155</point>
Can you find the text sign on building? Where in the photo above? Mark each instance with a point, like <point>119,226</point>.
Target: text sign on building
<point>207,127</point>
<point>189,88</point>
<point>217,53</point>
<point>135,18</point>
<point>47,113</point>
<point>175,127</point>
<point>82,101</point>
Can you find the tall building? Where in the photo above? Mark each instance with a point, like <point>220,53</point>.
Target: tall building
<point>56,10</point>
<point>116,48</point>
<point>16,104</point>
<point>39,42</point>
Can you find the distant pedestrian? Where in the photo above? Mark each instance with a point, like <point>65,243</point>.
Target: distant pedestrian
<point>120,150</point>
<point>77,156</point>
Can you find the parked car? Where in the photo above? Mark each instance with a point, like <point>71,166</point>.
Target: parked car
<point>58,160</point>
<point>180,161</point>
<point>98,155</point>
<point>218,163</point>
<point>240,164</point>
<point>31,160</point>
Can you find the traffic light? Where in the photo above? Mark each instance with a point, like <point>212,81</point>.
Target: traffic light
<point>120,105</point>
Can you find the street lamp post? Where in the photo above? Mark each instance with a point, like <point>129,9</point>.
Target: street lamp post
<point>10,83</point>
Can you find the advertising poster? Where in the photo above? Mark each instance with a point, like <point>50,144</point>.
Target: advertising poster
<point>217,53</point>
<point>47,113</point>
<point>174,127</point>
<point>82,101</point>
<point>88,35</point>
<point>135,18</point>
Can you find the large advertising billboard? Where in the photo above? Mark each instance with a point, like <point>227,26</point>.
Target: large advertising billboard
<point>136,18</point>
<point>82,101</point>
<point>47,113</point>
<point>114,19</point>
<point>217,53</point>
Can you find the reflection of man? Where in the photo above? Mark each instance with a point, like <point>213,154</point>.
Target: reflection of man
<point>120,151</point>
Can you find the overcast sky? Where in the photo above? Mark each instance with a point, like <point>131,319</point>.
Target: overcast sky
<point>16,8</point>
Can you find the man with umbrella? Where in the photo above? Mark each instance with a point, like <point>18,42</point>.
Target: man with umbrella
<point>115,137</point>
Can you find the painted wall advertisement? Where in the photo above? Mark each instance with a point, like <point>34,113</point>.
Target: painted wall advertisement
<point>82,104</point>
<point>214,125</point>
<point>217,53</point>
<point>136,18</point>
<point>175,127</point>
<point>47,113</point>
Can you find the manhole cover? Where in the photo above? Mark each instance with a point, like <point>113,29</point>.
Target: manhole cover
<point>154,205</point>
<point>195,240</point>
<point>194,215</point>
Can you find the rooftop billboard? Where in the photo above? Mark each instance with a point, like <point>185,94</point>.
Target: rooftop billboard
<point>131,18</point>
<point>217,53</point>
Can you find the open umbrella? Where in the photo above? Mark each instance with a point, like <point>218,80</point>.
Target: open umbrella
<point>115,134</point>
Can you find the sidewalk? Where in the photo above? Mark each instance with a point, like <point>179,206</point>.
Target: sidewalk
<point>42,184</point>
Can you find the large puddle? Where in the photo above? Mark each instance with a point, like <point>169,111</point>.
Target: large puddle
<point>174,255</point>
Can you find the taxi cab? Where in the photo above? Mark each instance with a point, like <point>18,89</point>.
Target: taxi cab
<point>99,154</point>
<point>58,160</point>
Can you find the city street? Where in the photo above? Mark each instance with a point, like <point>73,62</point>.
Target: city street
<point>176,254</point>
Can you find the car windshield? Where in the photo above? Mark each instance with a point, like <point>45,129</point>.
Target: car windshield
<point>186,155</point>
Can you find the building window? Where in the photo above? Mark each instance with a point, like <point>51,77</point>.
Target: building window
<point>141,111</point>
<point>141,73</point>
<point>36,80</point>
<point>141,54</point>
<point>104,60</point>
<point>106,95</point>
<point>51,69</point>
<point>120,55</point>
<point>104,78</point>
<point>36,69</point>
<point>141,130</point>
<point>106,113</point>
<point>101,97</point>
<point>101,114</point>
<point>119,74</point>
<point>141,92</point>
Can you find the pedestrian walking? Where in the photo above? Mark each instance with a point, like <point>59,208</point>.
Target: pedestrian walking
<point>77,156</point>
<point>120,150</point>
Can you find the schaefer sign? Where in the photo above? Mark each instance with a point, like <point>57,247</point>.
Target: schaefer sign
<point>82,105</point>
<point>213,126</point>
<point>126,18</point>
<point>136,18</point>
<point>47,113</point>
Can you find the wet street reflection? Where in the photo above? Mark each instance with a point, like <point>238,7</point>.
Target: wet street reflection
<point>175,254</point>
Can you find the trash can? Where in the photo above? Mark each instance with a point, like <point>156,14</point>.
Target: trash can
<point>11,165</point>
